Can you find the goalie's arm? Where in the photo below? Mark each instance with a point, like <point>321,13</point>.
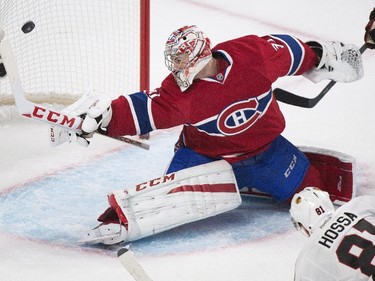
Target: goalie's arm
<point>142,112</point>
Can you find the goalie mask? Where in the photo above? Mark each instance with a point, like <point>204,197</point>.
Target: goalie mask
<point>310,209</point>
<point>187,51</point>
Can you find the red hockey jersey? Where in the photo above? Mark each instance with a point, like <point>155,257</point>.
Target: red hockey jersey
<point>232,115</point>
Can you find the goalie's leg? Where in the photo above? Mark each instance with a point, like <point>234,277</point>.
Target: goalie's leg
<point>278,171</point>
<point>186,158</point>
<point>166,202</point>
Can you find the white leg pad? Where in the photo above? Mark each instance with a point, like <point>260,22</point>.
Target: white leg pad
<point>175,199</point>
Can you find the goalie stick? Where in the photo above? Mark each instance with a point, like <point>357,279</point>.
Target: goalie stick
<point>128,260</point>
<point>293,99</point>
<point>38,111</point>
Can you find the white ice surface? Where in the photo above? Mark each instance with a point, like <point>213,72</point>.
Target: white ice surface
<point>343,121</point>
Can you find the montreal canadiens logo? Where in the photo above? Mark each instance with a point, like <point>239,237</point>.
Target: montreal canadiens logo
<point>238,117</point>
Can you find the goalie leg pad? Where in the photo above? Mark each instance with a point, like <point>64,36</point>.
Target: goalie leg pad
<point>335,172</point>
<point>175,199</point>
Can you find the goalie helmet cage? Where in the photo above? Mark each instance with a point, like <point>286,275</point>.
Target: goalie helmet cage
<point>75,46</point>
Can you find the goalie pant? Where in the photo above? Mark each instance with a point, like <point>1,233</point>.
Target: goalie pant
<point>166,202</point>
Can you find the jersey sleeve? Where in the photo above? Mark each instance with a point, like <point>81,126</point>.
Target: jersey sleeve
<point>283,55</point>
<point>141,112</point>
<point>302,57</point>
<point>124,115</point>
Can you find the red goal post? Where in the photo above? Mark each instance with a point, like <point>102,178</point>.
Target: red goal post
<point>75,46</point>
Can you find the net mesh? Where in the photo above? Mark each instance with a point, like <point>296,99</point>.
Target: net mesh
<point>75,46</point>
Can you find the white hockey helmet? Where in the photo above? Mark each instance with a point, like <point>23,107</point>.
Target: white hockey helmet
<point>310,208</point>
<point>187,51</point>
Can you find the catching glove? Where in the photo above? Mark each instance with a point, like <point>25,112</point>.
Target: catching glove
<point>335,61</point>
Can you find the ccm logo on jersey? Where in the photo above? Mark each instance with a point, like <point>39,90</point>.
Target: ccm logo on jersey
<point>239,117</point>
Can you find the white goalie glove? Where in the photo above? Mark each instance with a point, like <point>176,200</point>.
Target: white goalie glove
<point>337,62</point>
<point>96,112</point>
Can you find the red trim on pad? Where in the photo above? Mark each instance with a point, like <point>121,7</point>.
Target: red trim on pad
<point>223,187</point>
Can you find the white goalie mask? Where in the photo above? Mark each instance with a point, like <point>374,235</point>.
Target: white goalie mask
<point>310,208</point>
<point>187,51</point>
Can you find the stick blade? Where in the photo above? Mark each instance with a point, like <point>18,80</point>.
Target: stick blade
<point>122,251</point>
<point>130,263</point>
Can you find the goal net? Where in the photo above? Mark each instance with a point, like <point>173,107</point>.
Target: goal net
<point>64,48</point>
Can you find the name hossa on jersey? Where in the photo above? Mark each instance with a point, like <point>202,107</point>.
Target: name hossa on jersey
<point>231,114</point>
<point>344,248</point>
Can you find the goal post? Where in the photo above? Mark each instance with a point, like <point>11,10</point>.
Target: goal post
<point>65,48</point>
<point>145,45</point>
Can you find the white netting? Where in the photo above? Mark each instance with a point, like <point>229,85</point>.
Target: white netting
<point>76,45</point>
